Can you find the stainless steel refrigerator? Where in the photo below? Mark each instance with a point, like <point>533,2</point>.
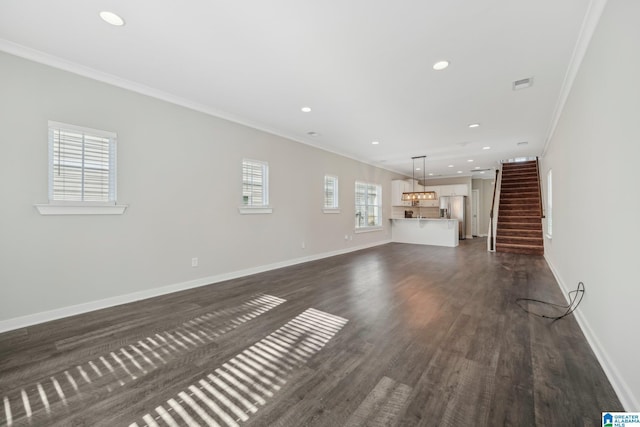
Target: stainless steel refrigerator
<point>455,207</point>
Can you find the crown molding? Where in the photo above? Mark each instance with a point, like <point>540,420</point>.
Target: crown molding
<point>91,73</point>
<point>589,24</point>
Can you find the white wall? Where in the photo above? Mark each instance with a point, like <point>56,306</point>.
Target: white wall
<point>594,156</point>
<point>180,173</point>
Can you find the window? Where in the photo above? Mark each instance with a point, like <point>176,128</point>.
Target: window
<point>549,203</point>
<point>82,170</point>
<point>331,194</point>
<point>255,187</point>
<point>368,206</point>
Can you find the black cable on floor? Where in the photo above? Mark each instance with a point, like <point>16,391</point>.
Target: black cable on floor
<point>575,297</point>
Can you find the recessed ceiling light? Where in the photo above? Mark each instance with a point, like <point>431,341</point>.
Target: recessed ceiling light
<point>486,148</point>
<point>431,174</point>
<point>459,171</point>
<point>470,160</point>
<point>417,169</point>
<point>477,167</point>
<point>482,172</point>
<point>305,109</point>
<point>111,18</point>
<point>450,166</point>
<point>375,142</point>
<point>474,125</point>
<point>440,65</point>
<point>312,133</point>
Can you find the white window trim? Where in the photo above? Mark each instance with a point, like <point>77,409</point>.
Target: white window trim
<point>549,229</point>
<point>368,228</point>
<point>335,209</point>
<point>54,209</point>
<point>255,210</point>
<point>258,209</point>
<point>59,207</point>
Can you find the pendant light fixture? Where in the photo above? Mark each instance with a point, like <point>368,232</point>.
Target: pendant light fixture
<point>416,196</point>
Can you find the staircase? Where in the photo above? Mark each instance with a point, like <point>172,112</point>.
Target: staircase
<point>520,214</point>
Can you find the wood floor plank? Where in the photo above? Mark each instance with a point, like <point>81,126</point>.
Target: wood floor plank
<point>433,336</point>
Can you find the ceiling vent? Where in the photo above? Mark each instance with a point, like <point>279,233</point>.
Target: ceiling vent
<point>480,170</point>
<point>523,83</point>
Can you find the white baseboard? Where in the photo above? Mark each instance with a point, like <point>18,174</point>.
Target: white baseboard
<point>628,400</point>
<point>72,310</point>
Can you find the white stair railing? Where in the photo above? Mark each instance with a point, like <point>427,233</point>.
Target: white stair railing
<point>493,218</point>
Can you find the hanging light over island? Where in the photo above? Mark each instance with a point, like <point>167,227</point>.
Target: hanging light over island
<point>416,196</point>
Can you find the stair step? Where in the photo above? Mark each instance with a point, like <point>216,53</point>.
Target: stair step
<point>520,240</point>
<point>517,190</point>
<point>519,179</point>
<point>533,200</point>
<point>510,204</point>
<point>522,232</point>
<point>519,184</point>
<point>511,196</point>
<point>519,212</point>
<point>516,165</point>
<point>523,219</point>
<point>519,249</point>
<point>515,171</point>
<point>519,225</point>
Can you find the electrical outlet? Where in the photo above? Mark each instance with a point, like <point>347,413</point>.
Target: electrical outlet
<point>194,262</point>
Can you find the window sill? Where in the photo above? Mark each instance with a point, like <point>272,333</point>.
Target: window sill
<point>250,210</point>
<point>81,210</point>
<point>368,229</point>
<point>331,210</point>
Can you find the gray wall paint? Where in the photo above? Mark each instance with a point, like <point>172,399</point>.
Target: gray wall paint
<point>180,173</point>
<point>485,188</point>
<point>594,156</point>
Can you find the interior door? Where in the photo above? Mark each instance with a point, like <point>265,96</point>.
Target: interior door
<point>475,211</point>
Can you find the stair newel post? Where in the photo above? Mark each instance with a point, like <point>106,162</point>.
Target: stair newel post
<point>491,221</point>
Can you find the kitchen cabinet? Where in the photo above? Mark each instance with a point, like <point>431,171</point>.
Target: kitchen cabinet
<point>454,190</point>
<point>399,186</point>
<point>431,203</point>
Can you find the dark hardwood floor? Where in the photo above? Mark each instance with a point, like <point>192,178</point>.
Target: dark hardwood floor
<point>397,335</point>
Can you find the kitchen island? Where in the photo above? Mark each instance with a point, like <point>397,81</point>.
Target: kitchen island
<point>425,231</point>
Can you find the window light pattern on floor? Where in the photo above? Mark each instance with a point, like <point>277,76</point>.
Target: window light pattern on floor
<point>128,363</point>
<point>233,392</point>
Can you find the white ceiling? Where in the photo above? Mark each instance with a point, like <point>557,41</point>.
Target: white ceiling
<point>363,66</point>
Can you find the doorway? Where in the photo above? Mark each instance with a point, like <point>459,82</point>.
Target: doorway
<point>475,211</point>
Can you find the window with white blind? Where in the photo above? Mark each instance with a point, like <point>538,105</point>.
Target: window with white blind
<point>255,187</point>
<point>82,169</point>
<point>368,206</point>
<point>331,204</point>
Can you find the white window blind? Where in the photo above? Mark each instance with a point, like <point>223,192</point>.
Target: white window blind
<point>82,165</point>
<point>368,205</point>
<point>255,183</point>
<point>330,192</point>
